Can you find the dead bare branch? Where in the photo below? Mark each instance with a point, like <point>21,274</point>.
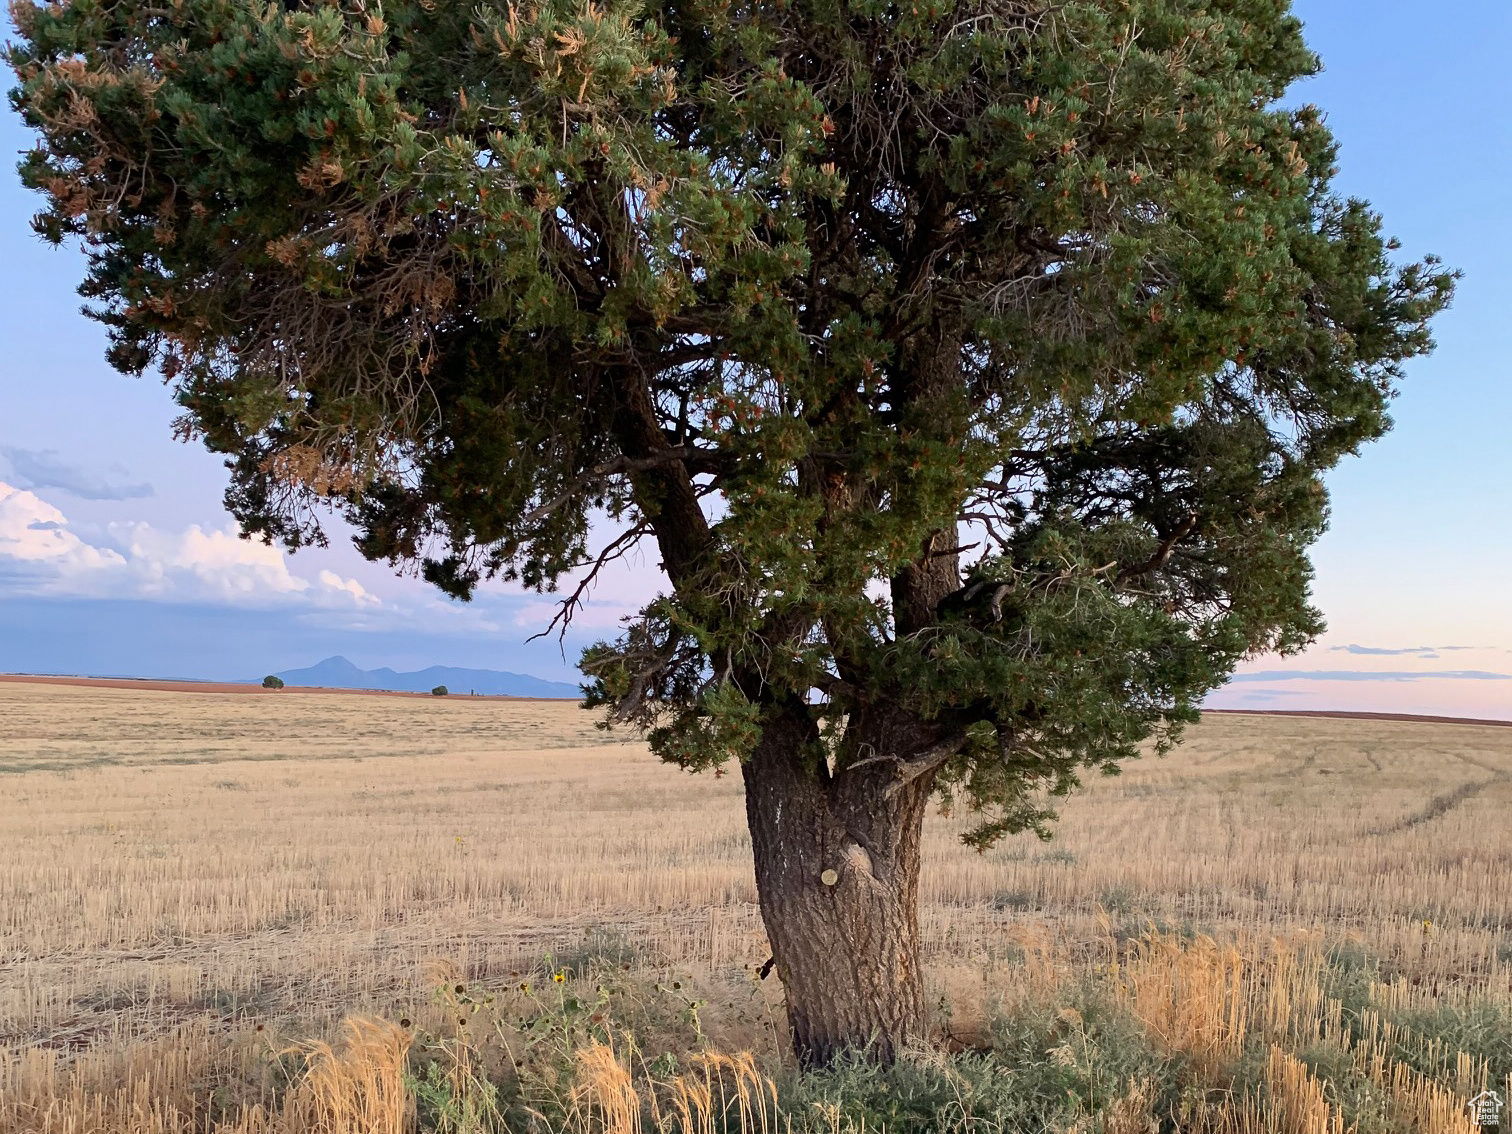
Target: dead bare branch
<point>567,607</point>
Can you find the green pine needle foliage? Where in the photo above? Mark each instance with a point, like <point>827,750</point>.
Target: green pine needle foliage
<point>800,287</point>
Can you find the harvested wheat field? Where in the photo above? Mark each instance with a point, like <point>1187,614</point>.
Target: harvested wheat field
<point>295,912</point>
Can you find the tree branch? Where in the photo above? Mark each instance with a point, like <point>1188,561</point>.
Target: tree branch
<point>616,548</point>
<point>620,464</point>
<point>922,762</point>
<point>1162,553</point>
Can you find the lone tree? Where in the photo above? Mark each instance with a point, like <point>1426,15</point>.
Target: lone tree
<point>972,363</point>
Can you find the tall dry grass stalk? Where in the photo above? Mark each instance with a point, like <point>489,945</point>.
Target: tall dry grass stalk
<point>355,1086</point>
<point>1297,1101</point>
<point>1130,1113</point>
<point>1191,998</point>
<point>604,1098</point>
<point>1293,1102</point>
<point>156,1085</point>
<point>719,1093</point>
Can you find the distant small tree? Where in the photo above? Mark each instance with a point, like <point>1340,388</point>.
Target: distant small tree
<point>439,691</point>
<point>820,296</point>
<point>271,682</point>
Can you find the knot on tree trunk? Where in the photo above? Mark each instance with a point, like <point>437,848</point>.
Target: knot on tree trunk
<point>858,860</point>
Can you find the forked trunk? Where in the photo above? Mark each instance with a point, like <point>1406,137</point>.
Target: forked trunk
<point>837,872</point>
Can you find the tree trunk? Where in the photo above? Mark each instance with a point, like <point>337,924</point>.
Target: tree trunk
<point>837,872</point>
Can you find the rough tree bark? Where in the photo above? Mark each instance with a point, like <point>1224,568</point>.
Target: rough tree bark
<point>837,873</point>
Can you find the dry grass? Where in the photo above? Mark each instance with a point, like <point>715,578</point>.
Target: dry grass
<point>195,882</point>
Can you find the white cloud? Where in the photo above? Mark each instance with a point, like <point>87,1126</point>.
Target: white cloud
<point>41,554</point>
<point>35,535</point>
<point>335,582</point>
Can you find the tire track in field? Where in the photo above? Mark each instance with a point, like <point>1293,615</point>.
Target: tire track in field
<point>1439,805</point>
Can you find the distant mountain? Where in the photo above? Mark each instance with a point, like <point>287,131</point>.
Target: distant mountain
<point>338,673</point>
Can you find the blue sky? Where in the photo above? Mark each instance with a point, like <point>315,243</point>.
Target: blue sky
<point>116,556</point>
